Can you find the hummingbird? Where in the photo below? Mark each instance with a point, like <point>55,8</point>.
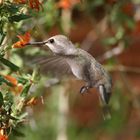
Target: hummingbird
<point>82,65</point>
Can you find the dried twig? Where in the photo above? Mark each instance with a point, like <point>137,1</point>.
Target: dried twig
<point>94,34</point>
<point>122,68</point>
<point>113,52</point>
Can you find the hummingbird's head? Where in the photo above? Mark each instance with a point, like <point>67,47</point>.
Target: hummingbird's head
<point>60,44</point>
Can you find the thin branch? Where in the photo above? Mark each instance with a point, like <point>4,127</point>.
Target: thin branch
<point>122,68</point>
<point>113,52</point>
<point>92,36</point>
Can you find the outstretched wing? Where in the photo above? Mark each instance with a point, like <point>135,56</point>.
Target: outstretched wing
<point>53,64</point>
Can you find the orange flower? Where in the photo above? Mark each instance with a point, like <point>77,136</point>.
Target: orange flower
<point>35,4</point>
<point>24,39</point>
<point>67,4</point>
<point>11,79</point>
<point>17,89</point>
<point>2,136</point>
<point>20,1</point>
<point>128,9</point>
<point>32,101</point>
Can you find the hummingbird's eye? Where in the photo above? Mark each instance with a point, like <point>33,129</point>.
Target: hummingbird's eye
<point>51,40</point>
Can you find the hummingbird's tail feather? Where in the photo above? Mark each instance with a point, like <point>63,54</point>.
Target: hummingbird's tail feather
<point>105,96</point>
<point>106,112</point>
<point>104,100</point>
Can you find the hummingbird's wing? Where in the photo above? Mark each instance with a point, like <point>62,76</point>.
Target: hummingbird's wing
<point>53,64</point>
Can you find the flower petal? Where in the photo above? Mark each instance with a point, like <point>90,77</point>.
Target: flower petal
<point>35,4</point>
<point>67,4</point>
<point>11,79</point>
<point>2,135</point>
<point>23,40</point>
<point>32,101</point>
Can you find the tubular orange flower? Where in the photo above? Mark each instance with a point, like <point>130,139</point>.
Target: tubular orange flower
<point>17,89</point>
<point>11,79</point>
<point>67,4</point>
<point>24,39</point>
<point>35,4</point>
<point>32,101</point>
<point>2,136</point>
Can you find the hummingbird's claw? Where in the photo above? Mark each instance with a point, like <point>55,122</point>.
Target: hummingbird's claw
<point>84,89</point>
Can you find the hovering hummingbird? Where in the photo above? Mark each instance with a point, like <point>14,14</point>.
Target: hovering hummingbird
<point>80,63</point>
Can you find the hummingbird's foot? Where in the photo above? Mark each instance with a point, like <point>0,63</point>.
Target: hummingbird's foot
<point>84,89</point>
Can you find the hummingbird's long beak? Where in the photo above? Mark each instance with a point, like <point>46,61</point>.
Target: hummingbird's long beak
<point>37,43</point>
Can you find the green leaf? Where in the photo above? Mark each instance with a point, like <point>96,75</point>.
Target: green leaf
<point>2,36</point>
<point>18,133</point>
<point>98,2</point>
<point>6,62</point>
<point>22,80</point>
<point>25,90</point>
<point>1,99</point>
<point>109,41</point>
<point>19,17</point>
<point>13,9</point>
